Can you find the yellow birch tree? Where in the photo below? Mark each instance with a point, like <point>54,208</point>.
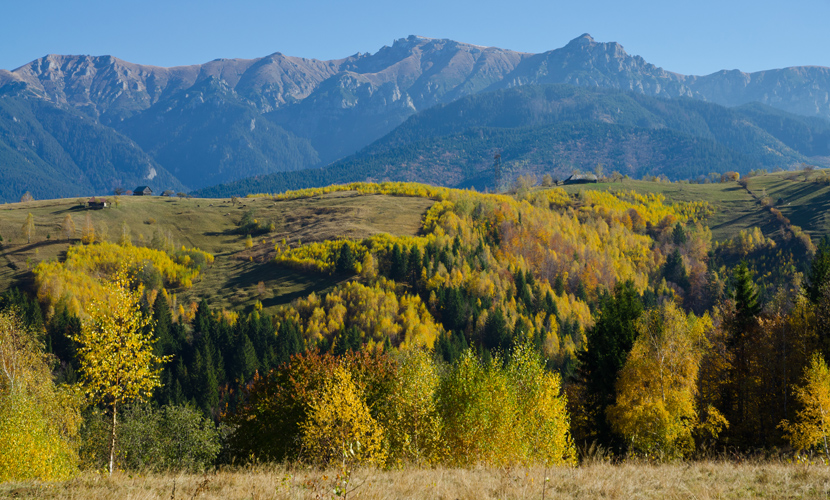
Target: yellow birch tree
<point>125,239</point>
<point>68,227</point>
<point>412,421</point>
<point>39,421</point>
<point>28,228</point>
<point>813,424</point>
<point>655,408</point>
<point>88,231</point>
<point>115,351</point>
<point>339,426</point>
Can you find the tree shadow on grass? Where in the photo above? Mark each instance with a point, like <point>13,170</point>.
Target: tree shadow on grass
<point>285,284</point>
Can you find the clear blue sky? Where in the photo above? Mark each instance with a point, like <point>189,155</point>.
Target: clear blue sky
<point>687,37</point>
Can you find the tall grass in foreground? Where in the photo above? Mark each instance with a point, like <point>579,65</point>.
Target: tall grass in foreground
<point>700,480</point>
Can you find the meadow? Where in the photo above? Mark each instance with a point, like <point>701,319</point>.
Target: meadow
<point>211,225</point>
<point>702,480</point>
<point>801,196</point>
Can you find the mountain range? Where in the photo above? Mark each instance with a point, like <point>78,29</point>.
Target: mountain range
<point>96,123</point>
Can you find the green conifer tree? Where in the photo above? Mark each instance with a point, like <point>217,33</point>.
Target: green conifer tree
<point>608,343</point>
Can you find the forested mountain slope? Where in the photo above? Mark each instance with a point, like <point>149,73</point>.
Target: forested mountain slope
<point>50,151</point>
<point>196,121</point>
<point>557,129</point>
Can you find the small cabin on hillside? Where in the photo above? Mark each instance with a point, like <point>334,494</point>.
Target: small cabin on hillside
<point>97,203</point>
<point>581,179</point>
<point>142,191</point>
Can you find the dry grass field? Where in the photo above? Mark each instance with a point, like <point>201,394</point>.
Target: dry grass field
<point>693,480</point>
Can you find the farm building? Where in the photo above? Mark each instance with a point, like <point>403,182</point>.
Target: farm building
<point>97,203</point>
<point>581,179</point>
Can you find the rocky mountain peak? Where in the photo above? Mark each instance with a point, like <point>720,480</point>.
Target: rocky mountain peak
<point>583,39</point>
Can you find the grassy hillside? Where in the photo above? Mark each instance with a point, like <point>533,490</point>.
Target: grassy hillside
<point>801,196</point>
<point>735,208</point>
<point>212,226</point>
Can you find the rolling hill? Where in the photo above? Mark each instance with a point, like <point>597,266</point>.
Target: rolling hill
<point>232,282</point>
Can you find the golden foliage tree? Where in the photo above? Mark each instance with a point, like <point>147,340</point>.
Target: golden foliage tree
<point>376,311</point>
<point>88,231</point>
<point>655,407</point>
<point>68,227</point>
<point>543,422</point>
<point>812,427</point>
<point>115,351</point>
<point>77,278</point>
<point>501,416</point>
<point>339,427</point>
<point>412,419</point>
<point>38,421</point>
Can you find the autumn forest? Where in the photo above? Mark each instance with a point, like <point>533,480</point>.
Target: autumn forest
<point>541,327</point>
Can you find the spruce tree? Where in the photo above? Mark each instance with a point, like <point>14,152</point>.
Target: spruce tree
<point>415,266</point>
<point>289,341</point>
<point>399,268</point>
<point>549,306</point>
<point>203,321</point>
<point>608,343</point>
<point>453,310</point>
<point>742,336</point>
<point>559,285</point>
<point>346,259</point>
<point>679,235</point>
<point>817,279</point>
<point>745,295</point>
<point>244,360</point>
<point>674,270</point>
<point>163,323</point>
<point>496,332</point>
<point>207,383</point>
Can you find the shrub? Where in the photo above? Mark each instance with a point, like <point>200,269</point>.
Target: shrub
<point>38,421</point>
<point>339,427</point>
<point>270,417</point>
<point>154,438</point>
<point>412,422</point>
<point>170,437</point>
<point>498,415</point>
